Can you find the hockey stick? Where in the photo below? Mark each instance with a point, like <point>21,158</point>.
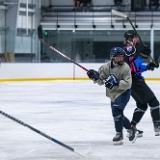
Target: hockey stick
<point>126,17</point>
<point>40,36</point>
<point>41,133</point>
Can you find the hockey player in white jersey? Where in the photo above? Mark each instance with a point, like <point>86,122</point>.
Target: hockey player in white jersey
<point>116,77</point>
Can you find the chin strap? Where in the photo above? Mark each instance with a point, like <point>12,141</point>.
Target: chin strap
<point>120,63</point>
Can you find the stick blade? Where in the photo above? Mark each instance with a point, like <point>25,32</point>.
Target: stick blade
<point>88,151</point>
<point>119,13</point>
<point>40,35</point>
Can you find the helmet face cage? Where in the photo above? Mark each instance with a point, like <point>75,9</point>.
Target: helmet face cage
<point>116,51</point>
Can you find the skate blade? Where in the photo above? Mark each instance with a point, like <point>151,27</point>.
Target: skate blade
<point>135,138</point>
<point>157,133</point>
<point>118,143</point>
<point>139,135</point>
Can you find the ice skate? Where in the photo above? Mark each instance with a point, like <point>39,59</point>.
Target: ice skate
<point>139,133</point>
<point>157,128</point>
<point>132,134</point>
<point>117,140</point>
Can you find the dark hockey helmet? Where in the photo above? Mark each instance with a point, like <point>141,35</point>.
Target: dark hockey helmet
<point>116,51</point>
<point>130,34</point>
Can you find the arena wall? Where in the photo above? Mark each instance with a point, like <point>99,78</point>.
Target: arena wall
<point>54,71</point>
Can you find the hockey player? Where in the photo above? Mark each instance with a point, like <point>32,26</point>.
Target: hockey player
<point>140,91</point>
<point>118,85</point>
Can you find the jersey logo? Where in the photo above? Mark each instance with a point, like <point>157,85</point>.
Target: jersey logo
<point>129,48</point>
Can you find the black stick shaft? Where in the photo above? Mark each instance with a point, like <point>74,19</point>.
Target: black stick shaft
<point>136,31</point>
<point>126,17</point>
<point>139,37</point>
<point>39,132</point>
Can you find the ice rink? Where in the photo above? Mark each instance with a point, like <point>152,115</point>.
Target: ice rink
<point>77,113</point>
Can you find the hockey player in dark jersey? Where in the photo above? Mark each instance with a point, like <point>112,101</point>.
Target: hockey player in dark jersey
<point>118,85</point>
<point>140,91</point>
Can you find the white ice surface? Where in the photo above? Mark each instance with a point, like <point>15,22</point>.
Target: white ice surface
<point>77,113</point>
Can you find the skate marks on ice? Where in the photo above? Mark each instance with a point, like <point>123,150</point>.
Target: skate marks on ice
<point>76,113</point>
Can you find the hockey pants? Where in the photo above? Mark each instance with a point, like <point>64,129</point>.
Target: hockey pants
<point>144,96</point>
<point>118,107</point>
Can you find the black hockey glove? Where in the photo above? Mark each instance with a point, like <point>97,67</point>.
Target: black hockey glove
<point>152,65</point>
<point>93,75</point>
<point>111,82</point>
<point>145,52</point>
